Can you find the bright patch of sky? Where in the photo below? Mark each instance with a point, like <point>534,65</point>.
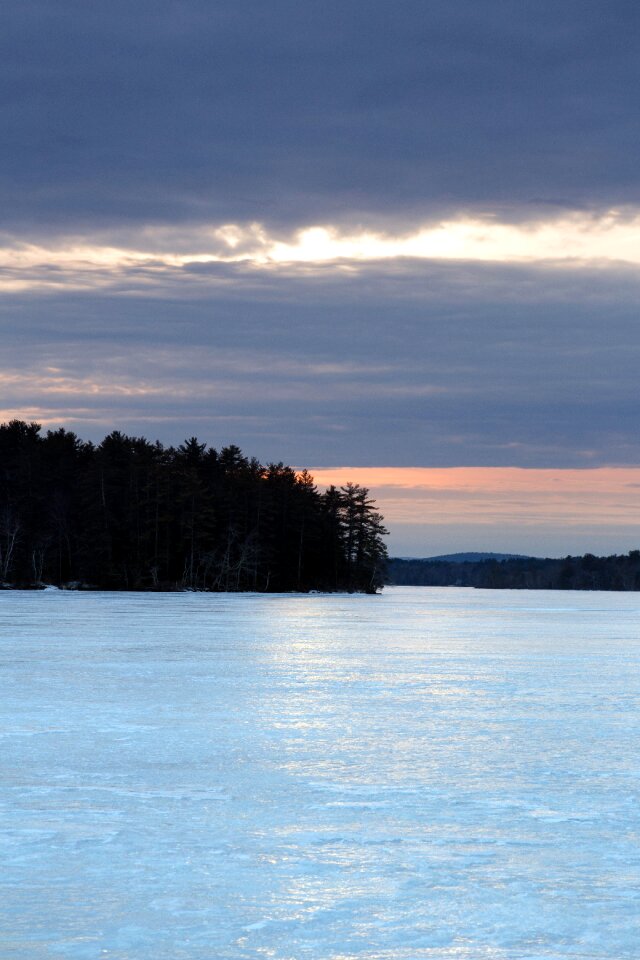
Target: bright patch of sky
<point>513,510</point>
<point>155,253</point>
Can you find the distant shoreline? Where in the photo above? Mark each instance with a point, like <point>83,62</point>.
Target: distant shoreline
<point>620,573</point>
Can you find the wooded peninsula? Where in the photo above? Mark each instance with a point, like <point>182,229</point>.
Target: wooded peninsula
<point>130,514</point>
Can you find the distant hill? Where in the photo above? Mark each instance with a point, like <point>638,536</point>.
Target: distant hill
<point>470,557</point>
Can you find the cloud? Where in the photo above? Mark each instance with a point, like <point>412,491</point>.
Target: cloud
<point>413,362</point>
<point>292,113</point>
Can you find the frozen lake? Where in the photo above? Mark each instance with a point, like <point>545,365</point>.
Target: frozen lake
<point>433,773</point>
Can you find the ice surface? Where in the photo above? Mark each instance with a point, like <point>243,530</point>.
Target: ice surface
<point>433,773</point>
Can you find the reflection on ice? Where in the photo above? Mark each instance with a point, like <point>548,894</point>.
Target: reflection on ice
<point>428,774</point>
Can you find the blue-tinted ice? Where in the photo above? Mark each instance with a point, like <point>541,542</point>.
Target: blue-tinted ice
<point>446,774</point>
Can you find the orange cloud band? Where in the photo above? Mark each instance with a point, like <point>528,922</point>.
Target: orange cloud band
<point>490,495</point>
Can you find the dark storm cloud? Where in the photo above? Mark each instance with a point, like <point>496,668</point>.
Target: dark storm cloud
<point>290,112</point>
<point>410,363</point>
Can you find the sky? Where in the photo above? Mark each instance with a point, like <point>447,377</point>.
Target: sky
<point>401,239</point>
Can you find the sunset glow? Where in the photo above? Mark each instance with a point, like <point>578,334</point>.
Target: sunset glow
<point>151,253</point>
<point>499,501</point>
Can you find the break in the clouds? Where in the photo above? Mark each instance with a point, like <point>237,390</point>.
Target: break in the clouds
<point>153,256</point>
<point>341,232</point>
<point>505,509</point>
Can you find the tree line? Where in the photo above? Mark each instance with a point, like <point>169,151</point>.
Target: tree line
<point>130,514</point>
<point>587,572</point>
